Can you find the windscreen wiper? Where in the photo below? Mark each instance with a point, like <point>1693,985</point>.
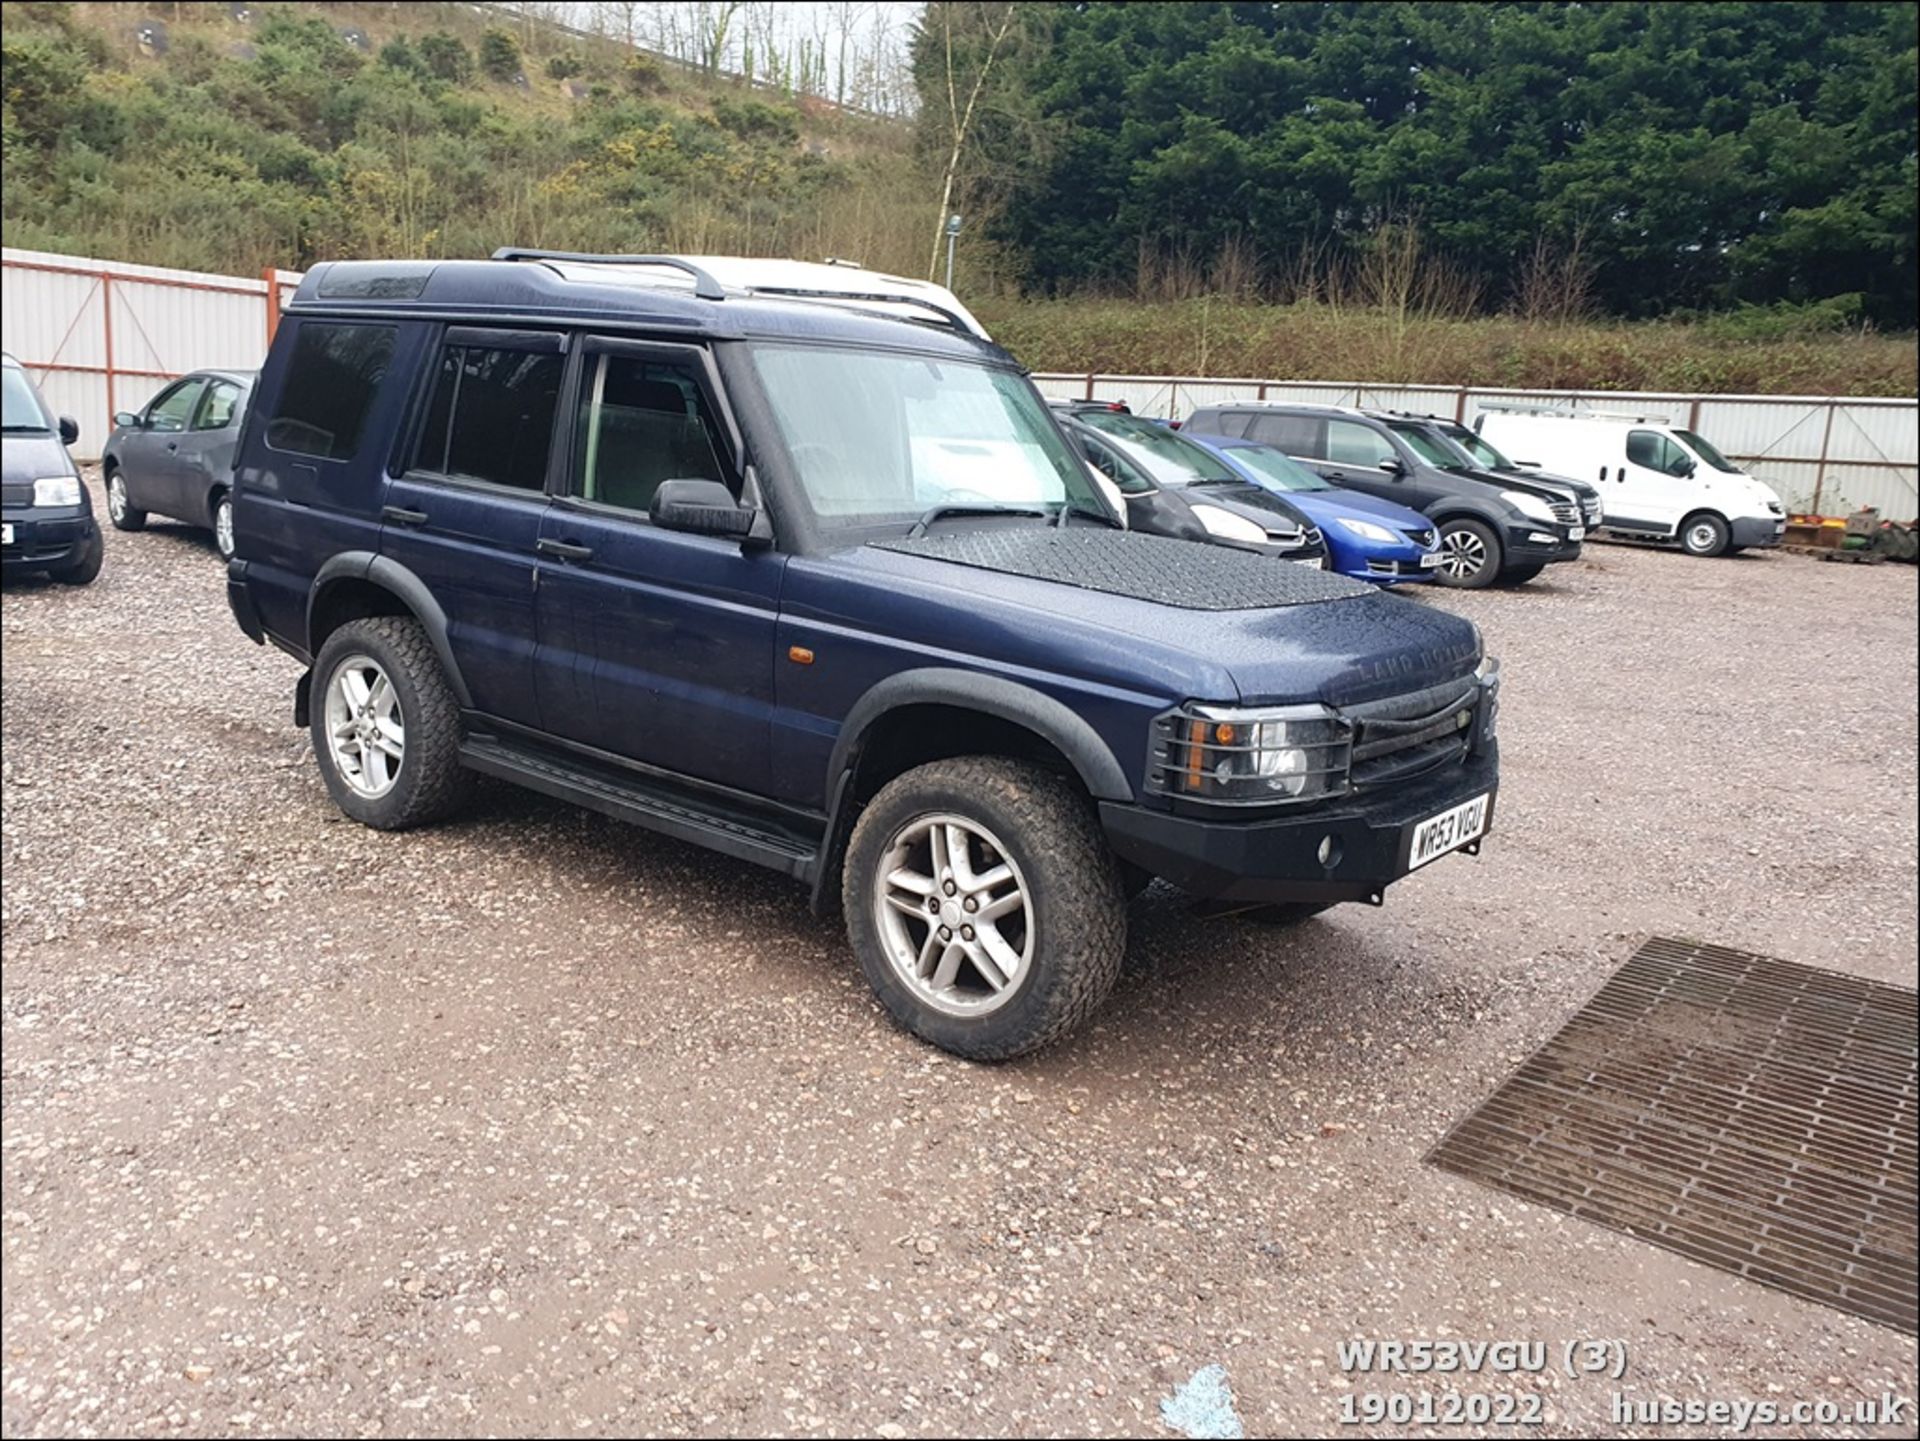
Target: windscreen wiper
<point>943,512</point>
<point>1068,508</point>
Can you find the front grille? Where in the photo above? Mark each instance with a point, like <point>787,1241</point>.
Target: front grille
<point>20,492</point>
<point>1404,735</point>
<point>1566,512</point>
<point>1421,538</point>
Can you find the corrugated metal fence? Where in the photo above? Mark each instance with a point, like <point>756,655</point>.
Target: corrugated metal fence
<point>100,336</point>
<point>1825,454</point>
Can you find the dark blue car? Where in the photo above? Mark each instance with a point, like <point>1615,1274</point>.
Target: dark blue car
<point>781,573</point>
<point>1367,538</point>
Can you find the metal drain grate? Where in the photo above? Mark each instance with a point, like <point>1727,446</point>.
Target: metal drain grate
<point>1749,1113</point>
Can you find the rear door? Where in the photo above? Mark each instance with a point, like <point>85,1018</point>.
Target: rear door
<point>206,450</point>
<point>464,512</point>
<point>150,462</point>
<point>655,645</point>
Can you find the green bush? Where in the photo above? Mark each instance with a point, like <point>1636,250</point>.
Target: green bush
<point>755,120</point>
<point>499,54</point>
<point>565,67</point>
<point>446,57</point>
<point>398,54</point>
<point>643,74</point>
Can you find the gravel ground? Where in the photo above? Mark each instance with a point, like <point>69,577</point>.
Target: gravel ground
<point>535,1123</point>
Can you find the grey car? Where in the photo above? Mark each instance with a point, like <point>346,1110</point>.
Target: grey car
<point>174,457</point>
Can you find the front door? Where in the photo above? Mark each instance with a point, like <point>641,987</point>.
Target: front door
<point>464,514</point>
<point>1356,457</point>
<point>150,462</point>
<point>655,645</point>
<point>1651,489</point>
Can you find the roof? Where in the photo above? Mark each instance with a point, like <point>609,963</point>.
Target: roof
<point>735,299</point>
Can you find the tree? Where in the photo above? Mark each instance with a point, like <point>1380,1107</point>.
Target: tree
<point>964,40</point>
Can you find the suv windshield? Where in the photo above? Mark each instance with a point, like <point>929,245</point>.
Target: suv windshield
<point>23,412</point>
<point>1481,452</point>
<point>1169,458</point>
<point>880,439</point>
<point>1277,467</point>
<point>1431,448</point>
<point>1706,452</point>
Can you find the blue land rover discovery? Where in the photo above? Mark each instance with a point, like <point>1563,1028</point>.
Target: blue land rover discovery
<point>810,576</point>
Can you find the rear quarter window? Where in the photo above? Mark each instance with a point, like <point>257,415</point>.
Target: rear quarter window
<point>331,381</point>
<point>1294,434</point>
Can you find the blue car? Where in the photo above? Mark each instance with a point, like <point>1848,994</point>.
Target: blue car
<point>1367,538</point>
<point>763,568</point>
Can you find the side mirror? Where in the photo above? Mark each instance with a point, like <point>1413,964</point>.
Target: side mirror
<point>1686,470</point>
<point>126,420</point>
<point>1392,466</point>
<point>69,430</point>
<point>701,507</point>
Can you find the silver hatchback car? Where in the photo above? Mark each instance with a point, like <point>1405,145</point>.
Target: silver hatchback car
<point>174,457</point>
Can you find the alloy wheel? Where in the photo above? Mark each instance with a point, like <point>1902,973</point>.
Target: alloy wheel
<point>1463,554</point>
<point>366,734</point>
<point>116,498</point>
<point>954,914</point>
<point>223,526</point>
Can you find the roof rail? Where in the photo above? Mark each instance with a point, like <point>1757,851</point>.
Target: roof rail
<point>1572,412</point>
<point>882,297</point>
<point>704,285</point>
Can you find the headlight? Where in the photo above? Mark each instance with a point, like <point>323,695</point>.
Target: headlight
<point>1277,756</point>
<point>1531,506</point>
<point>1227,525</point>
<point>57,490</point>
<point>1366,529</point>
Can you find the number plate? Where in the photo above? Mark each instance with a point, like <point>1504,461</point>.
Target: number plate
<point>1577,533</point>
<point>6,535</point>
<point>1430,560</point>
<point>1448,831</point>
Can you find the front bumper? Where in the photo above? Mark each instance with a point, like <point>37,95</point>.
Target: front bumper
<point>1268,861</point>
<point>1755,532</point>
<point>1539,545</point>
<point>1380,563</point>
<point>47,537</point>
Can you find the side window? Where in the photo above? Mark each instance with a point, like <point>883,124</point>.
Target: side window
<point>1352,444</point>
<point>1232,423</point>
<point>216,409</point>
<point>642,420</point>
<point>491,416</point>
<point>329,386</point>
<point>1654,451</point>
<point>1294,434</point>
<point>172,406</point>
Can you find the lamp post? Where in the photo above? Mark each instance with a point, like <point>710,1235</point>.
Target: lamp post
<point>953,233</point>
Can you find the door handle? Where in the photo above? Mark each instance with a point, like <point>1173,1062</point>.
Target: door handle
<point>402,516</point>
<point>173,445</point>
<point>565,549</point>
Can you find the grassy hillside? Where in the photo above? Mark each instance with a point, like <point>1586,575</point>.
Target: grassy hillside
<point>1785,352</point>
<point>277,142</point>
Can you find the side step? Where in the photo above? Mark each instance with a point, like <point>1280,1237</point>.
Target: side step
<point>680,812</point>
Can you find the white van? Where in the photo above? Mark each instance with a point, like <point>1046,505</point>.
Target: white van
<point>1656,482</point>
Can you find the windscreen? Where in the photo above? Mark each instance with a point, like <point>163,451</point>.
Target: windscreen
<point>23,412</point>
<point>1699,446</point>
<point>1169,458</point>
<point>879,438</point>
<point>1278,469</point>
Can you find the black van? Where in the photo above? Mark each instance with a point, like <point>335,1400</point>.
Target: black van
<point>1492,527</point>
